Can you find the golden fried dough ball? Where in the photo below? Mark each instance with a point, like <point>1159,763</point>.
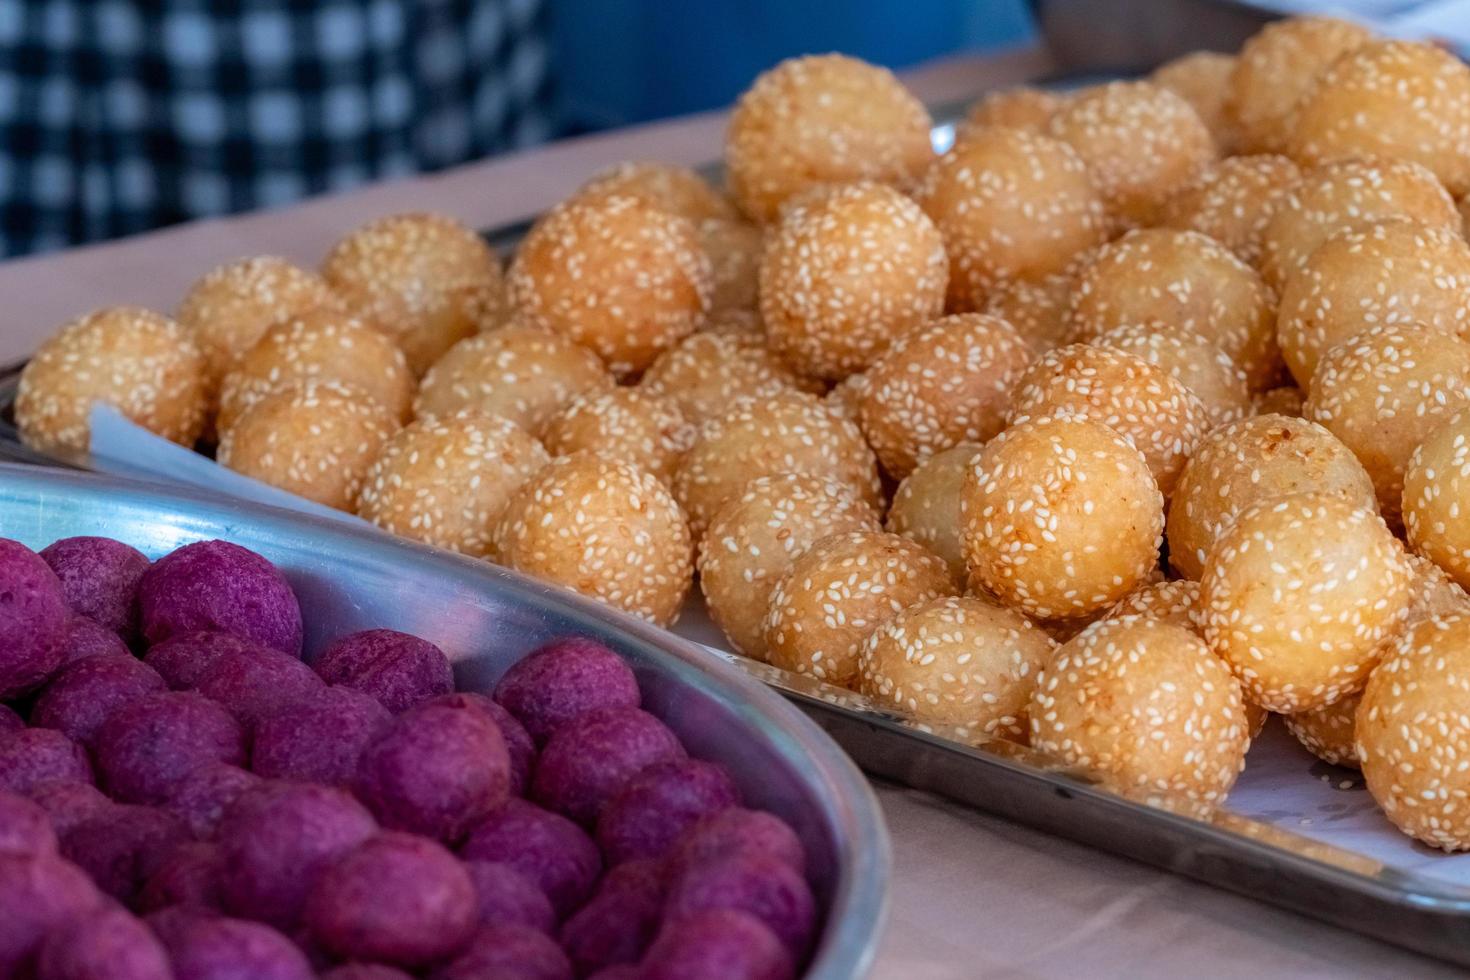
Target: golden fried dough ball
<point>1328,732</point>
<point>678,190</point>
<point>1436,500</point>
<point>602,527</point>
<point>752,541</point>
<point>822,119</point>
<point>624,423</point>
<point>1298,593</point>
<point>1012,206</point>
<point>1202,78</point>
<point>140,363</point>
<point>846,397</point>
<point>705,373</point>
<point>926,505</point>
<point>425,278</point>
<point>844,272</point>
<point>444,480</point>
<point>1196,363</point>
<point>1040,310</point>
<point>1175,601</point>
<point>1022,107</point>
<point>1061,517</point>
<point>941,385</point>
<point>1231,201</point>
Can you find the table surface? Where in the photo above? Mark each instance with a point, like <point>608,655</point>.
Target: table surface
<point>971,895</point>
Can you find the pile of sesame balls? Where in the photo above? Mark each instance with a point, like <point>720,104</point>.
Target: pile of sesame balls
<point>1141,413</point>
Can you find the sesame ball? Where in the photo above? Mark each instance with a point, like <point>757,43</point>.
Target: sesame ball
<point>734,250</point>
<point>1012,206</point>
<point>1283,400</point>
<point>1202,78</point>
<point>1328,732</point>
<point>1463,206</point>
<point>941,385</point>
<point>1061,517</point>
<point>1232,201</point>
<point>424,278</point>
<point>602,527</point>
<point>1436,483</point>
<point>1145,705</point>
<point>822,119</point>
<point>1383,391</point>
<point>1395,271</point>
<point>1022,107</point>
<point>838,592</point>
<point>1141,143</point>
<point>1143,403</point>
<point>1175,601</point>
<point>1249,461</point>
<point>957,661</point>
<point>926,505</point>
<point>1345,195</point>
<point>1192,360</point>
<point>844,272</point>
<point>139,362</point>
<point>323,344</point>
<point>1395,100</point>
<point>444,480</point>
<point>754,540</point>
<point>1040,310</point>
<point>1183,278</point>
<point>620,276</point>
<point>846,397</point>
<point>316,439</point>
<point>706,372</point>
<point>1276,68</point>
<point>625,423</point>
<point>786,432</point>
<point>519,372</point>
<point>1296,595</point>
<point>667,186</point>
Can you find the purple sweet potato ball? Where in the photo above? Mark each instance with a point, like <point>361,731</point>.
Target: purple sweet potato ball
<point>518,743</point>
<point>716,944</point>
<point>764,887</point>
<point>83,638</point>
<point>398,669</point>
<point>33,616</point>
<point>122,846</point>
<point>110,945</point>
<point>277,839</point>
<point>99,579</point>
<point>659,804</point>
<point>252,686</point>
<point>147,746</point>
<point>620,921</point>
<point>504,896</point>
<point>85,694</point>
<point>183,659</point>
<point>10,721</point>
<point>68,802</point>
<point>591,758</point>
<point>436,769</point>
<point>564,680</point>
<point>33,756</point>
<point>37,895</point>
<point>216,585</point>
<point>508,953</point>
<point>219,948</point>
<point>201,798</point>
<point>396,898</point>
<point>623,971</point>
<point>546,847</point>
<point>738,831</point>
<point>364,971</point>
<point>319,739</point>
<point>25,828</point>
<point>188,876</point>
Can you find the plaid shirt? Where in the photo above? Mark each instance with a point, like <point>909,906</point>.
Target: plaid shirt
<point>121,115</point>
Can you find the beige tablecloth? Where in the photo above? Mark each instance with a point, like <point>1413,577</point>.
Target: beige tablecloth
<point>972,896</point>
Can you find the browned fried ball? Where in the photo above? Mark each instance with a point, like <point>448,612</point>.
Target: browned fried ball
<point>1175,601</point>
<point>444,480</point>
<point>1436,498</point>
<point>705,373</point>
<point>838,592</point>
<point>1141,143</point>
<point>1061,517</point>
<point>1022,107</point>
<point>957,662</point>
<point>1202,78</point>
<point>618,275</point>
<point>846,397</point>
<point>602,527</point>
<point>1249,461</point>
<point>668,186</point>
<point>926,505</point>
<point>822,119</point>
<point>1199,365</point>
<point>425,278</point>
<point>1282,400</point>
<point>1012,206</point>
<point>844,272</point>
<point>624,423</point>
<point>1231,201</point>
<point>525,374</point>
<point>139,362</point>
<point>752,542</point>
<point>941,385</point>
<point>1040,310</point>
<point>316,439</point>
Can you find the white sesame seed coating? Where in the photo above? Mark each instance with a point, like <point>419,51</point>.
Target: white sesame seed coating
<point>705,373</point>
<point>926,505</point>
<point>1022,107</point>
<point>626,423</point>
<point>1202,78</point>
<point>602,527</point>
<point>141,363</point>
<point>1328,732</point>
<point>446,480</point>
<point>668,186</point>
<point>838,592</point>
<point>846,397</point>
<point>1175,601</point>
<point>957,661</point>
<point>1040,310</point>
<point>1231,201</point>
<point>1436,496</point>
<point>1199,365</point>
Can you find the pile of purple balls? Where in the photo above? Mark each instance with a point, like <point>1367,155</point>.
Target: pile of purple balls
<point>215,809</point>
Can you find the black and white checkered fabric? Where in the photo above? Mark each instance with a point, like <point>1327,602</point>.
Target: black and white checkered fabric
<point>121,115</point>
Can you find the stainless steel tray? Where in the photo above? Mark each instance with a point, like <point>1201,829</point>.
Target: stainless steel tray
<point>486,618</point>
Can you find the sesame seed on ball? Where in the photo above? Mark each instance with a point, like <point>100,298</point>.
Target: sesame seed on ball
<point>625,423</point>
<point>1039,310</point>
<point>1436,499</point>
<point>1022,107</point>
<point>705,373</point>
<point>1231,201</point>
<point>1199,365</point>
<point>668,186</point>
<point>1175,601</point>
<point>1202,78</point>
<point>926,505</point>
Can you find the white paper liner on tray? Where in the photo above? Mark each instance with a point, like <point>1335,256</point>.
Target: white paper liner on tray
<point>1283,785</point>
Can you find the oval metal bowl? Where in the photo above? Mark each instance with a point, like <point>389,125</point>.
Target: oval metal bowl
<point>486,618</point>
